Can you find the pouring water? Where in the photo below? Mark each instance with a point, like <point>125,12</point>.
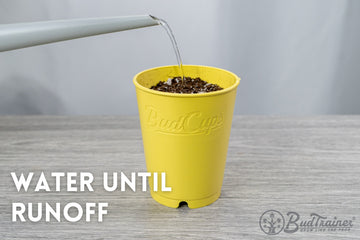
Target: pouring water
<point>168,30</point>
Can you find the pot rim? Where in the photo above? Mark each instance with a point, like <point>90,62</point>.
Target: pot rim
<point>186,95</point>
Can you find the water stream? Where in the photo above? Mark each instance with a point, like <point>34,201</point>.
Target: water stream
<point>167,28</point>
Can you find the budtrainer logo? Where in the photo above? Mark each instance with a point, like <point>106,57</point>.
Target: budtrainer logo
<point>272,222</point>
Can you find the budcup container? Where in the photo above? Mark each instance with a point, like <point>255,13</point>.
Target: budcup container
<point>186,135</point>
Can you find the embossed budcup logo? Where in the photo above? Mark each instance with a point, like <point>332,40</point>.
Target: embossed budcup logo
<point>191,123</point>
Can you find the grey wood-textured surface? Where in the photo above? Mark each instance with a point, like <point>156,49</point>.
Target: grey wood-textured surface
<point>301,164</point>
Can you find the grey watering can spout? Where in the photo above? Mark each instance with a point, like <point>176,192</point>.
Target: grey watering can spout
<point>21,35</point>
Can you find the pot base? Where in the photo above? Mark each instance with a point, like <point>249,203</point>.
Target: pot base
<point>174,203</point>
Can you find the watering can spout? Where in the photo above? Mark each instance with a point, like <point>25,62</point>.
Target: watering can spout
<point>21,35</point>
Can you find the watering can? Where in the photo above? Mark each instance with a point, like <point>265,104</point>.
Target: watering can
<point>21,35</point>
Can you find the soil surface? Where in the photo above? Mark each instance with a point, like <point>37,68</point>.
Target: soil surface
<point>188,85</point>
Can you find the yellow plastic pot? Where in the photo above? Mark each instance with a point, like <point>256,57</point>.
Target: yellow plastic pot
<point>186,135</point>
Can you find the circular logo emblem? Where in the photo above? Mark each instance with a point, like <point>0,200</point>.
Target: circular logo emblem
<point>272,222</point>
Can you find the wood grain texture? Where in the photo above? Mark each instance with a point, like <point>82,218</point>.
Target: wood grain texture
<point>302,164</point>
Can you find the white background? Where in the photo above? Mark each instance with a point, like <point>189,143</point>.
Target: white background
<point>294,57</point>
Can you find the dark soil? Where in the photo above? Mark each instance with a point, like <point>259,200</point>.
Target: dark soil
<point>188,85</point>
